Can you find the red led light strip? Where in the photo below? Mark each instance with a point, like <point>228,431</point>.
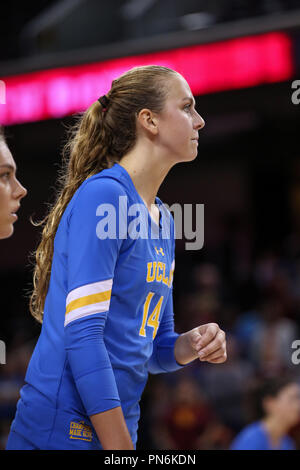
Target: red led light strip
<point>232,64</point>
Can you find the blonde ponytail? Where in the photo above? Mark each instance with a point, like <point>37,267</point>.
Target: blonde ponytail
<point>98,139</point>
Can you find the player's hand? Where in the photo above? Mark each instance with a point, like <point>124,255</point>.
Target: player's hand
<point>209,343</point>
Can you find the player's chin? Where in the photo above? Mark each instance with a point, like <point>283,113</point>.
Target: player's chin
<point>189,157</point>
<point>186,156</point>
<point>6,230</point>
<point>192,158</point>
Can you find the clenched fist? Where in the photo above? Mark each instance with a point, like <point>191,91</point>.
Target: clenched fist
<point>209,342</point>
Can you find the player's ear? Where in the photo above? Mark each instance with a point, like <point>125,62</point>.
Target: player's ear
<point>148,120</point>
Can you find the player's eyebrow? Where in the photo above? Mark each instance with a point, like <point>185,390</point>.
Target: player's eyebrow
<point>7,165</point>
<point>191,100</point>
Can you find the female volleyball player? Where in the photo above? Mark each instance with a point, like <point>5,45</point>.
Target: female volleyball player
<point>11,191</point>
<point>278,410</point>
<point>104,269</point>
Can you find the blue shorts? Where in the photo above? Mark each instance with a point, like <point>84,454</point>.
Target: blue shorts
<point>45,428</point>
<point>17,442</point>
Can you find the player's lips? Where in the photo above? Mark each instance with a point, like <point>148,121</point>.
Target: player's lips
<point>13,213</point>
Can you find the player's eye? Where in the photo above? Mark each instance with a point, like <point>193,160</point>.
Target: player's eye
<point>5,175</point>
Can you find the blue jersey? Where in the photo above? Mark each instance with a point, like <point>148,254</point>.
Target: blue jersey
<point>256,437</point>
<point>108,316</point>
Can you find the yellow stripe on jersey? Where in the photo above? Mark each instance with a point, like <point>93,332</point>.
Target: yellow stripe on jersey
<point>87,300</point>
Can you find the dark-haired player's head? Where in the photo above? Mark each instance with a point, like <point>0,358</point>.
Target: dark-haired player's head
<point>279,398</point>
<point>11,190</point>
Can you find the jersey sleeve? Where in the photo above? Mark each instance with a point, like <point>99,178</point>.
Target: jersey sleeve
<point>91,262</point>
<point>163,358</point>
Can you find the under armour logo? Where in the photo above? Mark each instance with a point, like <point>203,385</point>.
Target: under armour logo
<point>160,251</point>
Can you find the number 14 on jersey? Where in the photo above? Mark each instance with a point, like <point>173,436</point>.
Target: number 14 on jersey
<point>153,318</point>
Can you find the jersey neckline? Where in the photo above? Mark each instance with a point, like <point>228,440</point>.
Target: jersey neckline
<point>157,200</point>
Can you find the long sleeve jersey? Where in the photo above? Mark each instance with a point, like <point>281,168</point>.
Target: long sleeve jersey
<point>108,316</point>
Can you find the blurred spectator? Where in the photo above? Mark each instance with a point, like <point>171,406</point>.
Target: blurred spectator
<point>188,419</point>
<point>270,347</point>
<point>202,304</point>
<point>225,386</point>
<point>277,403</point>
<point>245,329</point>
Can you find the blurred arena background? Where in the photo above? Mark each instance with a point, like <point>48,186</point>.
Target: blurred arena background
<point>242,60</point>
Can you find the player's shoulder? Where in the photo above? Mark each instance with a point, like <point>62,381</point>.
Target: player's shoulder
<point>102,184</point>
<point>249,437</point>
<point>251,429</point>
<point>105,188</point>
<point>289,443</point>
<point>96,190</point>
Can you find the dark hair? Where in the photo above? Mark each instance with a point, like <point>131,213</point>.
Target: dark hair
<point>269,388</point>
